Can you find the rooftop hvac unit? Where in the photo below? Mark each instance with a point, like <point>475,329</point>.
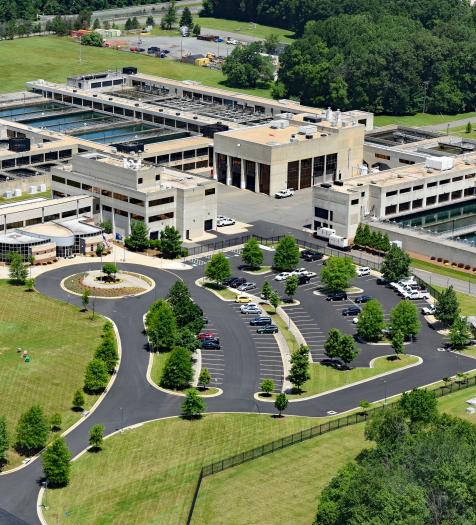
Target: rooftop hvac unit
<point>279,124</point>
<point>32,190</point>
<point>42,188</point>
<point>439,163</point>
<point>8,194</point>
<point>17,192</point>
<point>363,170</point>
<point>293,138</point>
<point>308,130</point>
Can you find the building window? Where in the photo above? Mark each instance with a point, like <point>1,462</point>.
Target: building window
<point>306,173</point>
<point>322,213</point>
<point>69,213</point>
<point>404,206</point>
<point>331,165</point>
<point>162,159</point>
<point>73,183</point>
<point>318,169</point>
<point>419,187</point>
<point>444,197</point>
<point>139,180</point>
<point>52,217</point>
<point>135,217</point>
<point>431,184</point>
<point>86,209</point>
<point>176,156</point>
<point>391,193</point>
<point>445,181</point>
<point>293,174</point>
<point>456,179</point>
<point>381,156</point>
<point>30,222</point>
<point>430,200</point>
<point>354,202</point>
<point>86,187</point>
<point>264,178</point>
<point>417,203</point>
<point>189,154</point>
<point>120,197</point>
<point>106,208</point>
<point>55,178</point>
<point>389,210</point>
<point>209,191</point>
<point>161,217</point>
<point>405,161</point>
<point>202,151</point>
<point>122,213</point>
<point>405,190</point>
<point>137,202</point>
<point>160,202</point>
<point>469,176</point>
<point>456,194</point>
<point>468,192</point>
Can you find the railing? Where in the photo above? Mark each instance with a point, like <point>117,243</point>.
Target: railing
<point>303,435</point>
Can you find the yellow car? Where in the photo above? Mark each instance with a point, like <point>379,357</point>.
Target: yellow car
<point>242,299</point>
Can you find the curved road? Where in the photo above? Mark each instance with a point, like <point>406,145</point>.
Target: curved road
<point>132,399</point>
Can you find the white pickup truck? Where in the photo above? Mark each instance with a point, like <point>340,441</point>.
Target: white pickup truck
<point>284,193</point>
<point>409,293</point>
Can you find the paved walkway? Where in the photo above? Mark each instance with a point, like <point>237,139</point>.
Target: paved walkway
<point>452,124</point>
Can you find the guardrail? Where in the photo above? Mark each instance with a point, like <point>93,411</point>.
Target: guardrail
<point>304,435</point>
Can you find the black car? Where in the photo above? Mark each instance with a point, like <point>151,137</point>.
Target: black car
<point>352,310</point>
<point>268,329</point>
<point>211,344</point>
<point>152,50</point>
<point>337,296</point>
<point>205,320</point>
<point>303,279</point>
<point>362,299</point>
<point>227,282</point>
<point>382,281</point>
<point>334,363</point>
<point>310,255</point>
<point>260,321</point>
<point>237,282</point>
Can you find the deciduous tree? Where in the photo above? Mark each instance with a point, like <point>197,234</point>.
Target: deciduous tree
<point>447,308</point>
<point>78,400</point>
<point>193,406</point>
<point>218,269</point>
<point>267,386</point>
<point>281,403</point>
<point>96,376</point>
<point>56,463</point>
<point>177,373</point>
<point>398,343</point>
<point>299,372</point>
<point>161,326</point>
<point>396,264</point>
<point>138,240</point>
<point>460,333</point>
<point>286,257</point>
<point>32,431</point>
<point>252,254</point>
<point>204,378</point>
<point>371,321</point>
<point>337,273</point>
<point>291,286</point>
<point>170,242</point>
<point>96,436</point>
<point>404,319</point>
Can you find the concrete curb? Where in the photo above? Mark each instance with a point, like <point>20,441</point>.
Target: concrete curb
<point>83,418</point>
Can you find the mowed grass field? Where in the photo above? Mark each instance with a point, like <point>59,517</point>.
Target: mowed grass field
<point>245,28</point>
<point>54,58</point>
<point>60,340</point>
<point>420,119</point>
<point>444,270</point>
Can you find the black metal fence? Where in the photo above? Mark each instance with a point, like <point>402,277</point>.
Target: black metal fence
<point>303,435</point>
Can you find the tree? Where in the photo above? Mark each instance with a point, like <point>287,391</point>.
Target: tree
<point>396,264</point>
<point>291,286</point>
<point>96,376</point>
<point>78,400</point>
<point>332,345</point>
<point>274,299</point>
<point>271,43</point>
<point>187,339</point>
<point>177,373</point>
<point>267,386</point>
<point>170,16</point>
<point>447,308</point>
<point>18,271</point>
<point>218,269</point>
<point>187,313</point>
<point>348,350</point>
<point>468,127</point>
<point>196,30</point>
<point>337,273</point>
<point>281,403</point>
<point>107,352</point>
<point>96,436</point>
<point>96,24</point>
<point>106,226</point>
<point>193,406</point>
<point>419,405</point>
<point>4,439</point>
<point>299,372</point>
<point>100,250</point>
<point>364,405</point>
<point>150,22</point>
<point>30,284</point>
<point>186,19</point>
<point>286,257</point>
<point>170,242</point>
<point>385,246</point>
<point>109,269</point>
<point>85,299</point>
<point>92,39</point>
<point>371,321</point>
<point>56,463</point>
<point>246,66</point>
<point>138,240</point>
<point>161,326</point>
<point>460,333</point>
<point>404,319</point>
<point>55,422</point>
<point>252,255</point>
<point>397,343</point>
<point>266,291</point>
<point>31,431</point>
<point>204,378</point>
<point>106,24</point>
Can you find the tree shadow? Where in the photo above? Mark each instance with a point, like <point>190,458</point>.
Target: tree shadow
<point>94,450</point>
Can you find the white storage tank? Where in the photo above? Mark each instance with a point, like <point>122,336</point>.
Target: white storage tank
<point>42,188</point>
<point>439,163</point>
<point>8,194</point>
<point>17,192</point>
<point>32,190</point>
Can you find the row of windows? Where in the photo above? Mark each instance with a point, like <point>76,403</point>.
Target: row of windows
<point>178,156</point>
<point>429,185</point>
<point>36,159</point>
<point>387,157</point>
<point>322,213</point>
<point>430,201</point>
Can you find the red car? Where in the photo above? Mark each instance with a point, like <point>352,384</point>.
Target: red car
<point>206,335</point>
<point>134,49</point>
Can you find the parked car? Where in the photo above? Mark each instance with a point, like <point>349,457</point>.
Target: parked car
<point>247,306</point>
<point>225,222</point>
<point>236,283</point>
<point>352,310</point>
<point>166,51</point>
<point>311,255</point>
<point>227,282</point>
<point>206,335</point>
<point>428,310</point>
<point>363,270</point>
<point>382,281</point>
<point>268,329</point>
<point>303,279</point>
<point>152,50</point>
<point>205,320</point>
<point>298,271</point>
<point>283,194</point>
<point>260,321</point>
<point>252,310</point>
<point>416,294</point>
<point>282,276</point>
<point>219,40</point>
<point>362,299</point>
<point>336,296</point>
<point>245,287</point>
<point>242,299</point>
<point>210,344</point>
<point>232,41</point>
<point>335,363</point>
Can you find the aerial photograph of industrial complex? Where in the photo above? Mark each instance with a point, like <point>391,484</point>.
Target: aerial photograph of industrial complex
<point>238,262</point>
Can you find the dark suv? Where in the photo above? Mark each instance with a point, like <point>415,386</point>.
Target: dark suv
<point>310,255</point>
<point>268,329</point>
<point>238,281</point>
<point>352,310</point>
<point>303,279</point>
<point>336,296</point>
<point>211,344</point>
<point>260,321</point>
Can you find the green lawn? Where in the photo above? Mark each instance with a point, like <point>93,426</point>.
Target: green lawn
<point>455,404</point>
<point>225,293</point>
<point>325,378</point>
<point>148,475</point>
<point>461,131</point>
<point>53,58</point>
<point>60,339</point>
<point>283,487</point>
<point>158,364</point>
<point>26,197</point>
<point>283,327</point>
<point>420,119</point>
<point>443,270</point>
<point>467,302</point>
<point>245,28</point>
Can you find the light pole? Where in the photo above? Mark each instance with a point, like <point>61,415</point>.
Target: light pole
<point>385,386</point>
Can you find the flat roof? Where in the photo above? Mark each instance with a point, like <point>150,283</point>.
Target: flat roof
<point>48,229</point>
<point>20,237</point>
<point>157,148</point>
<point>27,206</point>
<point>77,226</point>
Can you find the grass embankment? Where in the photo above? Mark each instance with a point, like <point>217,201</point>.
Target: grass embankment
<point>283,327</point>
<point>60,340</point>
<point>262,269</point>
<point>467,302</point>
<point>74,283</point>
<point>224,293</point>
<point>43,194</point>
<point>54,58</point>
<point>455,404</point>
<point>245,28</point>
<point>444,270</point>
<point>148,475</point>
<point>461,131</point>
<point>420,119</point>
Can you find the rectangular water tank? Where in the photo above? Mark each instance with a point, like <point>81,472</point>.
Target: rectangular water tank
<point>8,194</point>
<point>17,192</point>
<point>439,163</point>
<point>42,188</point>
<point>32,189</point>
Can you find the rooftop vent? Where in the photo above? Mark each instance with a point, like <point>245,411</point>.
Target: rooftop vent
<point>279,124</point>
<point>308,130</point>
<point>326,185</point>
<point>339,182</point>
